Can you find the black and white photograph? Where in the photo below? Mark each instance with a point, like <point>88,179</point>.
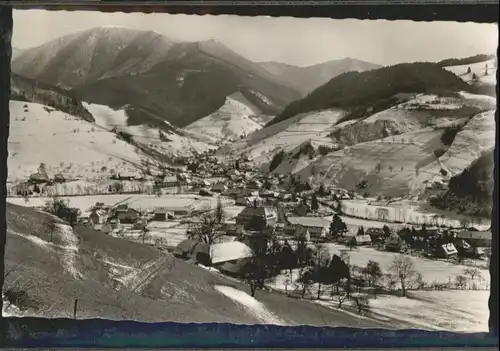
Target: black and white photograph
<point>250,170</point>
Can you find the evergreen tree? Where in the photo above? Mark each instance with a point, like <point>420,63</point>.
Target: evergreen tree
<point>314,203</point>
<point>337,227</point>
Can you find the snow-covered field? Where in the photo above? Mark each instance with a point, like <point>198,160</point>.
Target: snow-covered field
<point>177,145</point>
<point>433,271</point>
<point>404,212</point>
<point>479,69</point>
<point>286,135</point>
<point>397,156</point>
<point>258,309</point>
<point>139,202</point>
<point>64,143</point>
<point>475,138</point>
<point>455,310</point>
<point>232,121</point>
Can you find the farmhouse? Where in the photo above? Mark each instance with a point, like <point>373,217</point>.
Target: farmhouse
<point>476,238</point>
<point>249,201</point>
<point>219,188</point>
<point>177,210</point>
<point>99,206</point>
<point>307,227</point>
<point>359,240</point>
<point>121,208</point>
<point>95,217</point>
<point>170,181</point>
<point>128,175</point>
<point>160,214</point>
<point>39,177</point>
<point>267,216</point>
<point>129,216</point>
<point>446,251</point>
<point>229,252</point>
<point>267,194</point>
<point>193,250</point>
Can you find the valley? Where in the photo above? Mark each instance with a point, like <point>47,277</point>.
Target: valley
<point>180,181</point>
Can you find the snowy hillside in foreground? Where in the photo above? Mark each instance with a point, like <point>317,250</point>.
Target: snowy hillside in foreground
<point>232,121</point>
<point>479,69</point>
<point>174,144</point>
<point>65,144</point>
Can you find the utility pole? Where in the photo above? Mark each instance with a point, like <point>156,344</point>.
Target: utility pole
<point>75,307</point>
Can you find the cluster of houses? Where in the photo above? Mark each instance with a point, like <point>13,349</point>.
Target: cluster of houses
<point>111,218</point>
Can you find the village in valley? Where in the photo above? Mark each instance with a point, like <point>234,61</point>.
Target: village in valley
<point>272,231</point>
<point>194,179</point>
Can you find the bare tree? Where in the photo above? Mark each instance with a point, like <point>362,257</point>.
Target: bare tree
<point>219,214</point>
<point>340,292</point>
<point>207,228</point>
<point>322,261</point>
<point>473,274</point>
<point>362,304</point>
<point>51,228</point>
<point>460,282</point>
<point>144,234</point>
<point>373,273</point>
<point>402,268</point>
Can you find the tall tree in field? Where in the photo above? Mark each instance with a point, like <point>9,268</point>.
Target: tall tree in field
<point>220,215</point>
<point>314,203</point>
<point>373,273</point>
<point>337,227</point>
<point>402,268</point>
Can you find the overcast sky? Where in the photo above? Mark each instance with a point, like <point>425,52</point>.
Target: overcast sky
<point>291,40</point>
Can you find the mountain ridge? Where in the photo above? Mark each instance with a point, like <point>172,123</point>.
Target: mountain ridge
<point>307,78</point>
<point>189,80</point>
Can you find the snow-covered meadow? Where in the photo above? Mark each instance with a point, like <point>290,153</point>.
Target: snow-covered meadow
<point>139,202</point>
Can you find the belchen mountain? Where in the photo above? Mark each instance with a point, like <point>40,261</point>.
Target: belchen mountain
<point>152,77</point>
<point>306,79</point>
